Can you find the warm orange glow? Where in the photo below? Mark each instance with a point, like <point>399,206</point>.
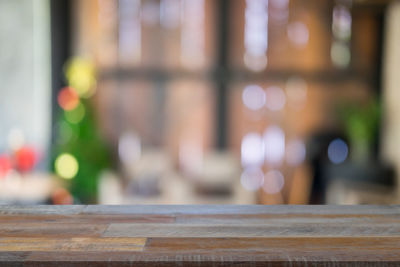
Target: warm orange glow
<point>25,158</point>
<point>62,197</point>
<point>68,98</point>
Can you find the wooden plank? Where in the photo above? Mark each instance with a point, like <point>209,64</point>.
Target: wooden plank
<point>242,209</point>
<point>84,256</point>
<point>12,256</point>
<point>279,249</point>
<point>40,209</point>
<point>284,244</point>
<point>272,256</point>
<point>249,230</point>
<point>71,244</point>
<point>278,219</point>
<point>87,218</point>
<point>51,229</point>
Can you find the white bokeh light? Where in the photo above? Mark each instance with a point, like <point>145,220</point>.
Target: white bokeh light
<point>256,34</point>
<point>252,150</point>
<point>341,22</point>
<point>253,97</point>
<point>274,141</point>
<point>273,182</point>
<point>252,178</point>
<point>298,33</point>
<point>129,148</point>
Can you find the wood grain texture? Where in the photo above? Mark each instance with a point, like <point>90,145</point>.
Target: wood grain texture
<point>272,229</point>
<point>200,236</point>
<point>71,244</point>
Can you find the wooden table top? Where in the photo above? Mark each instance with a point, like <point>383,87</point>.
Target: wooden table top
<point>200,235</point>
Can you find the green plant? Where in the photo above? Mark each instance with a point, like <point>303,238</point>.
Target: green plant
<point>361,125</point>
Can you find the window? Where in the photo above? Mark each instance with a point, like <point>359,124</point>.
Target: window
<point>256,78</point>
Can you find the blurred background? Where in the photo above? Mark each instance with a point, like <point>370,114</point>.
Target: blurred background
<point>199,101</point>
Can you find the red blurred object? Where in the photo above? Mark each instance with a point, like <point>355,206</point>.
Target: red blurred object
<point>68,98</point>
<point>5,165</point>
<point>62,197</point>
<point>25,158</point>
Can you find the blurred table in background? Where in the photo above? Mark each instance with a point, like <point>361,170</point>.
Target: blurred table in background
<point>33,188</point>
<point>178,191</point>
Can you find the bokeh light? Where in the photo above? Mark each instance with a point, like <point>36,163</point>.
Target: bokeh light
<point>61,196</point>
<point>340,54</point>
<point>255,63</point>
<point>252,150</point>
<point>253,97</point>
<point>279,11</point>
<point>338,151</point>
<point>129,148</point>
<point>252,178</point>
<point>25,158</point>
<point>256,34</point>
<point>81,76</point>
<point>75,115</point>
<point>298,33</point>
<point>274,141</point>
<point>275,98</point>
<point>273,182</point>
<point>341,22</point>
<point>68,99</point>
<point>295,152</point>
<point>66,166</point>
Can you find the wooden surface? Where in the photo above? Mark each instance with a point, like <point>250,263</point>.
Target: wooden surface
<point>200,235</point>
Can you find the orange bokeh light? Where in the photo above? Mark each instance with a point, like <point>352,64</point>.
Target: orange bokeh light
<point>62,197</point>
<point>68,98</point>
<point>25,158</point>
